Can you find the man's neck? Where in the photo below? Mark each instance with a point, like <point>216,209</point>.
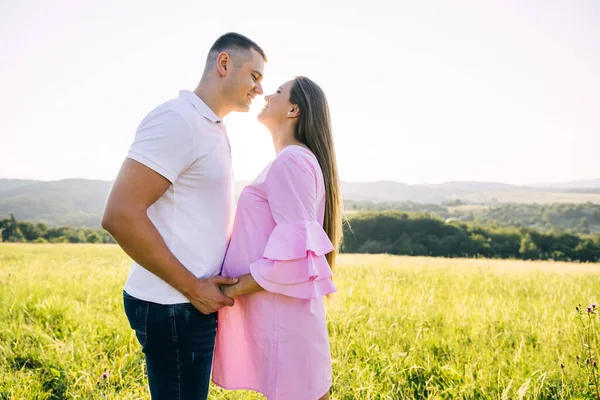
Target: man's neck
<point>210,95</point>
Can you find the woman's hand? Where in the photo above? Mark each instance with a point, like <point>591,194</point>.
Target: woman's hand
<point>245,285</point>
<point>229,291</point>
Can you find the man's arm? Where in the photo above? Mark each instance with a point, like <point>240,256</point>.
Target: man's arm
<point>136,188</point>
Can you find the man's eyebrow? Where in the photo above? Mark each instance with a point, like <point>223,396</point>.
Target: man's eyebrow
<point>258,73</point>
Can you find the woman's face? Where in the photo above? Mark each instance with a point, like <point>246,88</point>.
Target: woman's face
<point>277,105</point>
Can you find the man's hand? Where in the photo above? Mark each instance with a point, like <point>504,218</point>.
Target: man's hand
<point>206,295</point>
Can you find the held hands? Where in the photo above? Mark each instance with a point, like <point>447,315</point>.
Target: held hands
<point>245,285</point>
<point>207,297</point>
<point>229,290</point>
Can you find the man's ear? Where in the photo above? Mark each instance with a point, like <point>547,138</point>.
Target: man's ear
<point>294,111</point>
<point>223,63</point>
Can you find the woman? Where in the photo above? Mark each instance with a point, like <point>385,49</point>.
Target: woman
<point>285,237</point>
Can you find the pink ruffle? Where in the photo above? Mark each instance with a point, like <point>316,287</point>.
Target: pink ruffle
<point>307,278</point>
<point>294,262</point>
<point>295,240</point>
<point>306,269</point>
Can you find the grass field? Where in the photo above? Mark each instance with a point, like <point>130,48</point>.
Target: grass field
<point>400,327</point>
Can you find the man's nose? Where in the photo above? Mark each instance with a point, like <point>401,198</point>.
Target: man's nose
<point>258,89</point>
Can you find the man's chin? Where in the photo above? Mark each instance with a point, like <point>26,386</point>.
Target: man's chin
<point>243,108</point>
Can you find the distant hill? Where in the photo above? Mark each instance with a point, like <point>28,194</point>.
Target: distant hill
<point>593,184</point>
<point>73,202</point>
<point>80,202</point>
<point>9,184</point>
<point>433,194</point>
<point>470,192</point>
<point>467,186</point>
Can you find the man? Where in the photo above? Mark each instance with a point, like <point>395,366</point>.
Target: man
<point>171,209</point>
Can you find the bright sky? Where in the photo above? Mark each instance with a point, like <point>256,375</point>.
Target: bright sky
<point>420,91</point>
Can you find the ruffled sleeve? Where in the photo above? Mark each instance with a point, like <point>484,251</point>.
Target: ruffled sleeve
<point>293,262</point>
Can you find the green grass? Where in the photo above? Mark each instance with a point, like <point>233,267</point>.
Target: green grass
<point>400,327</point>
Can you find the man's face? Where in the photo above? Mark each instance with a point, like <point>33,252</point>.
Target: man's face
<point>244,81</point>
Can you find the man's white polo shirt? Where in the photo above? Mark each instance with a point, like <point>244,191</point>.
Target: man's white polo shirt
<point>184,141</point>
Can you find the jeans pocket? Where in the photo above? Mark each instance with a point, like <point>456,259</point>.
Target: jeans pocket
<point>137,313</point>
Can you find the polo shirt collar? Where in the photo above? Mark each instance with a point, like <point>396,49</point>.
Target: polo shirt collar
<point>200,106</point>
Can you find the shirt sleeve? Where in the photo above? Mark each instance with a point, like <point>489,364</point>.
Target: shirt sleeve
<point>294,262</point>
<point>165,144</point>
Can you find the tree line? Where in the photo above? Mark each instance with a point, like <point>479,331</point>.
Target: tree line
<point>391,232</point>
<point>420,234</point>
<point>19,232</point>
<point>573,218</point>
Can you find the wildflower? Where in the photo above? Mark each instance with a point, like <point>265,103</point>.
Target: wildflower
<point>104,375</point>
<point>588,309</point>
<point>594,305</point>
<point>562,366</point>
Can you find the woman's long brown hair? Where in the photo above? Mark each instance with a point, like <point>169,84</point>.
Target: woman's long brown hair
<point>313,129</point>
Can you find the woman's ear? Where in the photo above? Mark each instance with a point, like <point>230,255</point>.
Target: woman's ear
<point>294,111</point>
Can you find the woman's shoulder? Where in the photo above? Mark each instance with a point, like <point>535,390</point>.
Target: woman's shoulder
<point>294,163</point>
<point>297,155</point>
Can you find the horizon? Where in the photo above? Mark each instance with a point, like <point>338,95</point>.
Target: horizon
<point>527,185</point>
<point>438,93</point>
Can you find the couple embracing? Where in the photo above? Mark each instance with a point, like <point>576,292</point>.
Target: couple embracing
<point>233,294</point>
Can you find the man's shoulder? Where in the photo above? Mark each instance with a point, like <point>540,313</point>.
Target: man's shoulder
<point>167,115</point>
<point>177,110</point>
<point>171,108</point>
<point>179,120</point>
<point>181,107</point>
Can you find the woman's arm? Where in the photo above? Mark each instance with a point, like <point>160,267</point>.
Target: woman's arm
<point>246,285</point>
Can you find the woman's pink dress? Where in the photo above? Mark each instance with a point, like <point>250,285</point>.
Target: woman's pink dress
<point>275,341</point>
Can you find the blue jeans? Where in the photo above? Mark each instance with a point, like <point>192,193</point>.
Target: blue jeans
<point>178,342</point>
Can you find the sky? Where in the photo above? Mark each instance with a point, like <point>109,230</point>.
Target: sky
<point>419,91</point>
